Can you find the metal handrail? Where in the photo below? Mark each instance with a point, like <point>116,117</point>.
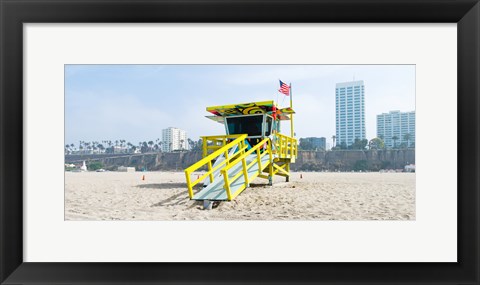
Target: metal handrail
<point>223,139</point>
<point>245,167</point>
<point>287,146</point>
<point>207,160</point>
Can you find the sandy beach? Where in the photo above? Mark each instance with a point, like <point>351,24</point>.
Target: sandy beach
<point>315,196</point>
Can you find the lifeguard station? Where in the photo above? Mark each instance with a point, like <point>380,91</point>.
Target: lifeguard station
<point>252,147</point>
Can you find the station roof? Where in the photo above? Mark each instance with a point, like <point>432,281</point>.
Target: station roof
<point>248,109</point>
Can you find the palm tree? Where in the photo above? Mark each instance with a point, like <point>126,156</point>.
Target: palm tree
<point>407,138</point>
<point>150,145</point>
<point>144,147</point>
<point>89,146</point>
<point>394,138</point>
<point>110,146</point>
<point>333,139</point>
<point>190,143</point>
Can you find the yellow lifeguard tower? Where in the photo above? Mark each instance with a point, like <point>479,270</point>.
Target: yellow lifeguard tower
<point>252,147</point>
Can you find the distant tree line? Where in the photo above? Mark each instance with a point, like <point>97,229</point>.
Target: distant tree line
<point>359,165</point>
<point>375,143</point>
<point>122,146</point>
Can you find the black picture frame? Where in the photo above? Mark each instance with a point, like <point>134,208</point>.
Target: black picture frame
<point>13,13</point>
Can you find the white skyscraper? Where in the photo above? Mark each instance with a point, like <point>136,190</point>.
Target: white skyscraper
<point>396,124</point>
<point>173,139</point>
<point>349,112</point>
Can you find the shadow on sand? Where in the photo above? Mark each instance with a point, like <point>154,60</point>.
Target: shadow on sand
<point>170,185</point>
<point>255,185</point>
<point>176,199</point>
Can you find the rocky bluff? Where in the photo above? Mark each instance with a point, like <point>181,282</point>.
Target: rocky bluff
<point>338,160</point>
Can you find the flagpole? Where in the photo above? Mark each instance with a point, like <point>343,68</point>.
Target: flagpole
<point>277,95</point>
<point>291,115</point>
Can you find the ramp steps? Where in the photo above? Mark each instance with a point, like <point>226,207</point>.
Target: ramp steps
<point>216,173</point>
<point>216,191</point>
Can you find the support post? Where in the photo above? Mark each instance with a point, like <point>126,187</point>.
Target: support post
<point>291,115</point>
<point>270,166</point>
<point>287,168</point>
<point>210,170</point>
<point>189,184</point>
<point>207,204</point>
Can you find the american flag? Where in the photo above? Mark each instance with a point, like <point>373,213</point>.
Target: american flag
<point>284,88</point>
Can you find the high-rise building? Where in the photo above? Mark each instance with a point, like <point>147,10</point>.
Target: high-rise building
<point>349,112</point>
<point>319,143</point>
<point>173,139</point>
<point>396,124</point>
<point>314,143</point>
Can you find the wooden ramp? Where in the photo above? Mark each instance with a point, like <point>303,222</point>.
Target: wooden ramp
<point>216,191</point>
<point>217,174</point>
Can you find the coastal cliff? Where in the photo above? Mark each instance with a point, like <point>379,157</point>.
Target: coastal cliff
<point>338,160</point>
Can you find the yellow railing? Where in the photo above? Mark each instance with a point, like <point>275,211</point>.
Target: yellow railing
<point>212,143</point>
<point>243,159</point>
<point>238,142</point>
<point>285,146</point>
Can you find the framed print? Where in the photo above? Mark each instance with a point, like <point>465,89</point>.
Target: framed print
<point>82,79</point>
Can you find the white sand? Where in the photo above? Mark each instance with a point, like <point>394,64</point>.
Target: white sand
<point>316,196</point>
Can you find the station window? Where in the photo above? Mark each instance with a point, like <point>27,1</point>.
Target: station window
<point>251,125</point>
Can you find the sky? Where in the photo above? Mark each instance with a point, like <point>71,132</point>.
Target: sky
<point>135,102</point>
